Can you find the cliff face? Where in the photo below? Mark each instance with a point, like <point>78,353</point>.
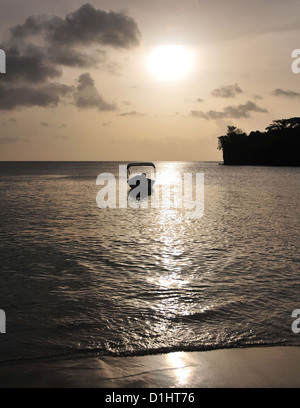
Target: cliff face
<point>278,145</point>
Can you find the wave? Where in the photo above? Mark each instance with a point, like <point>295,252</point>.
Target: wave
<point>99,352</point>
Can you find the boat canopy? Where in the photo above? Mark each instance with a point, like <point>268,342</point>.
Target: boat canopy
<point>140,164</point>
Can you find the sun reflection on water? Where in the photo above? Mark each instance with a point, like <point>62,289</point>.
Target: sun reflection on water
<point>170,258</point>
<point>182,372</point>
<point>171,254</point>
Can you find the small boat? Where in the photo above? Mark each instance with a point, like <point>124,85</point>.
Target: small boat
<point>141,178</point>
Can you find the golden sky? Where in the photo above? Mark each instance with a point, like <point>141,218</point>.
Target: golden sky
<point>139,80</point>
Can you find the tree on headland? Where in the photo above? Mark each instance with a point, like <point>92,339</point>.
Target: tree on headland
<point>284,124</point>
<point>278,145</point>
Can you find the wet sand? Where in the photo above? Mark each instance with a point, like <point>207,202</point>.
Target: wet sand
<point>233,368</point>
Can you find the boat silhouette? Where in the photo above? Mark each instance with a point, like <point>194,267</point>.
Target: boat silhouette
<point>145,183</point>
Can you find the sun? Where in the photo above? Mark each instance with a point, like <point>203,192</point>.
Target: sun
<point>171,62</point>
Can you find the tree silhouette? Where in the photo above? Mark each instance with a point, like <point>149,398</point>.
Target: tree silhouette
<point>278,145</point>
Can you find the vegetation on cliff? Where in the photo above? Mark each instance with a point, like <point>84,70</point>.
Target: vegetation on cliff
<point>278,145</point>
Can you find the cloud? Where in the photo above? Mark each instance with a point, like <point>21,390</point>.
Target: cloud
<point>47,95</point>
<point>199,114</point>
<point>287,94</point>
<point>38,49</point>
<point>87,95</point>
<point>85,26</point>
<point>70,57</point>
<point>52,125</point>
<point>133,113</point>
<point>11,139</point>
<point>229,91</point>
<point>30,65</point>
<point>63,41</point>
<point>63,37</point>
<point>236,112</point>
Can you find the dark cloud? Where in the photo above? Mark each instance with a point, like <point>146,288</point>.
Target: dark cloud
<point>31,66</point>
<point>44,96</point>
<point>287,94</point>
<point>236,112</point>
<point>37,50</point>
<point>87,95</point>
<point>70,57</point>
<point>85,26</point>
<point>229,91</point>
<point>32,26</point>
<point>240,111</point>
<point>88,25</point>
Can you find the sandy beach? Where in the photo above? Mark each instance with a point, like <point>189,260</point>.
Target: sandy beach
<point>232,368</point>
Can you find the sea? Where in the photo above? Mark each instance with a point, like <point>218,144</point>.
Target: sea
<point>78,280</point>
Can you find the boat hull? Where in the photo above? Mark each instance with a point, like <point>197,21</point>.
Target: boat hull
<point>146,184</point>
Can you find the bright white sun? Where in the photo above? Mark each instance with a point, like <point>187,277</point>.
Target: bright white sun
<point>171,62</point>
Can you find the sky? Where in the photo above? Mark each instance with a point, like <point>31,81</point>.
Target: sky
<point>137,80</point>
